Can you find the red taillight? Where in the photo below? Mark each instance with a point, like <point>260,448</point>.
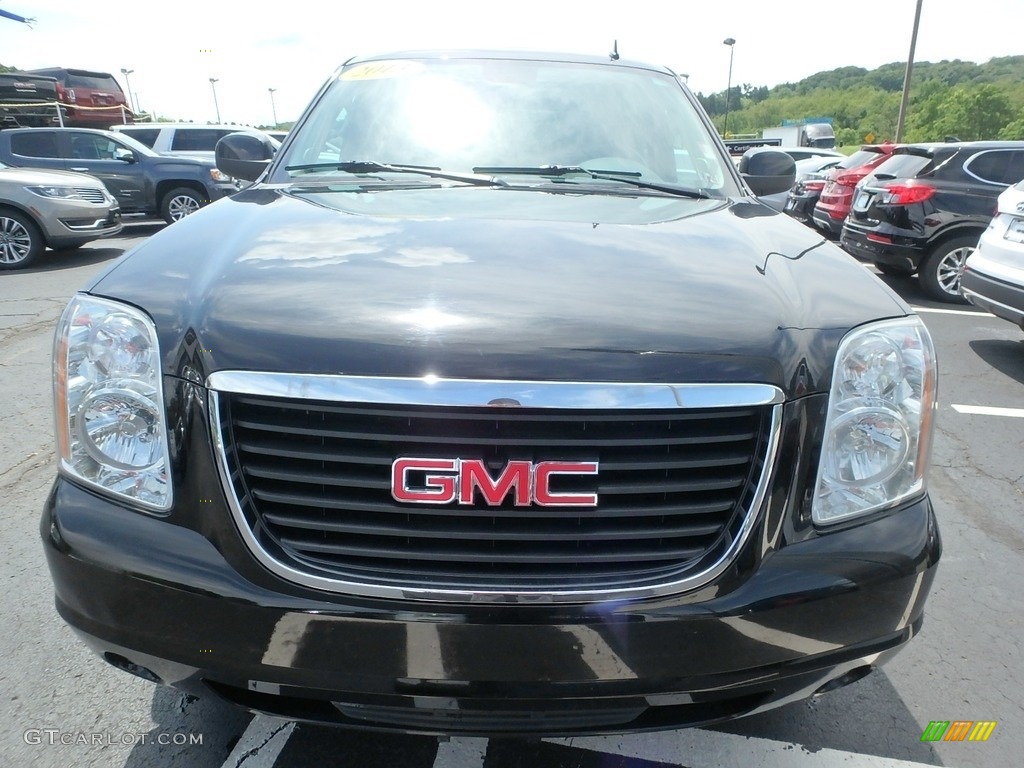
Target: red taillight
<point>876,238</point>
<point>814,186</point>
<point>849,179</point>
<point>906,194</point>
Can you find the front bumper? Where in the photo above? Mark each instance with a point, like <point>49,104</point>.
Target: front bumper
<point>161,600</point>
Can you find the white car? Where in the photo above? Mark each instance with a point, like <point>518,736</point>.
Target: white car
<point>188,139</point>
<point>993,276</point>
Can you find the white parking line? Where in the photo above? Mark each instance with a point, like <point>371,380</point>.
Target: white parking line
<point>261,744</point>
<point>985,410</point>
<point>706,749</point>
<point>461,752</point>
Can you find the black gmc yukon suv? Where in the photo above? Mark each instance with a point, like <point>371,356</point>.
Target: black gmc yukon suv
<point>498,405</point>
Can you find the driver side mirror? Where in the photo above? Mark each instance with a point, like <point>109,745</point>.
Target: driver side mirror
<point>126,155</point>
<point>244,155</point>
<point>767,171</point>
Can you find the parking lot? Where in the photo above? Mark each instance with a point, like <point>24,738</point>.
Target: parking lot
<point>64,707</point>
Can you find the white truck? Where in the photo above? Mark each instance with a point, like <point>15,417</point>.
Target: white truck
<point>813,134</point>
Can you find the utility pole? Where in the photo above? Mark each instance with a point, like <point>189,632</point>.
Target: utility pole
<point>906,76</point>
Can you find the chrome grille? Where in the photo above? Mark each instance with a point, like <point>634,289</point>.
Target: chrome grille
<point>311,485</point>
<point>91,194</point>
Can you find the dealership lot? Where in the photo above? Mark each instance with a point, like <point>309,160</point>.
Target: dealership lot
<point>65,707</point>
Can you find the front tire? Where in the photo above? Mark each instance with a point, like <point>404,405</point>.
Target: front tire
<point>940,272</point>
<point>21,242</point>
<point>179,203</point>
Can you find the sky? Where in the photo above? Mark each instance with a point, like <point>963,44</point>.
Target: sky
<point>174,47</point>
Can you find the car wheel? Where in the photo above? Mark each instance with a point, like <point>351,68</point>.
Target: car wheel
<point>21,242</point>
<point>889,269</point>
<point>179,203</point>
<point>940,272</point>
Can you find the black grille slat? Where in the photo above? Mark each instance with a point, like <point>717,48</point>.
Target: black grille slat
<point>520,556</point>
<point>313,482</point>
<point>299,500</point>
<point>490,441</point>
<point>495,533</point>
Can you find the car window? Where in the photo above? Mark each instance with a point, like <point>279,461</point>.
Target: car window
<point>147,136</point>
<point>197,139</point>
<point>903,166</point>
<point>857,159</point>
<point>90,146</point>
<point>94,82</point>
<point>992,166</point>
<point>467,113</point>
<point>35,144</point>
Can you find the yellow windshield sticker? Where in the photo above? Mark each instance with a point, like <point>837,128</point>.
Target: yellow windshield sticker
<point>378,70</point>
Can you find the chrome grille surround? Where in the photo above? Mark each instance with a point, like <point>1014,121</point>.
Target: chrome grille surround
<point>338,392</point>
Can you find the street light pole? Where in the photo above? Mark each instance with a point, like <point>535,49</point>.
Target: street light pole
<point>273,109</point>
<point>213,85</point>
<point>127,82</point>
<point>906,76</point>
<point>728,88</point>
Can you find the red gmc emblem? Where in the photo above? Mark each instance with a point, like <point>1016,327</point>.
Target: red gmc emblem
<point>442,481</point>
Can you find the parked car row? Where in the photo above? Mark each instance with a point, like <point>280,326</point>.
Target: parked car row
<point>62,187</point>
<point>913,209</point>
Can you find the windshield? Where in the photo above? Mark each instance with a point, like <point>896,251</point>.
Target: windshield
<point>507,118</point>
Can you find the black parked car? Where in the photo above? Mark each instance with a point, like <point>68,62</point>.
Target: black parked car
<point>498,405</point>
<point>924,208</point>
<point>140,179</point>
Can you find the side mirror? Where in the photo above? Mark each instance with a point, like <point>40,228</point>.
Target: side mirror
<point>767,171</point>
<point>244,155</point>
<point>125,155</point>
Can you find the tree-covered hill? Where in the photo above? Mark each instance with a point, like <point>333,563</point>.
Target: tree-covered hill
<point>947,98</point>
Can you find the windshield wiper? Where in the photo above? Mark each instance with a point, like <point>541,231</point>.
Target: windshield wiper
<point>370,166</point>
<point>627,177</point>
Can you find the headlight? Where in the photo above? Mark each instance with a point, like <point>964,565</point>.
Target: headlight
<point>64,193</point>
<point>111,432</point>
<point>217,175</point>
<point>880,418</point>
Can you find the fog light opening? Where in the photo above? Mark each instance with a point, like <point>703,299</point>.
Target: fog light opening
<point>850,677</point>
<point>123,664</point>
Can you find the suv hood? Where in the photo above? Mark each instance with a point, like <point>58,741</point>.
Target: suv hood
<point>497,283</point>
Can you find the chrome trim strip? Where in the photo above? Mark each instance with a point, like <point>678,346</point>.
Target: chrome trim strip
<point>431,390</point>
<point>514,594</point>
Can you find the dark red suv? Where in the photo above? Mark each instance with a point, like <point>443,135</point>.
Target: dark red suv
<point>91,99</point>
<point>837,195</point>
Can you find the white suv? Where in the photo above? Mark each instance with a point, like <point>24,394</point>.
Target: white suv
<point>190,139</point>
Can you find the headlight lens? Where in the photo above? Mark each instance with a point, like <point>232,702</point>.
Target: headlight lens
<point>880,420</point>
<point>218,175</point>
<point>63,193</point>
<point>111,431</point>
